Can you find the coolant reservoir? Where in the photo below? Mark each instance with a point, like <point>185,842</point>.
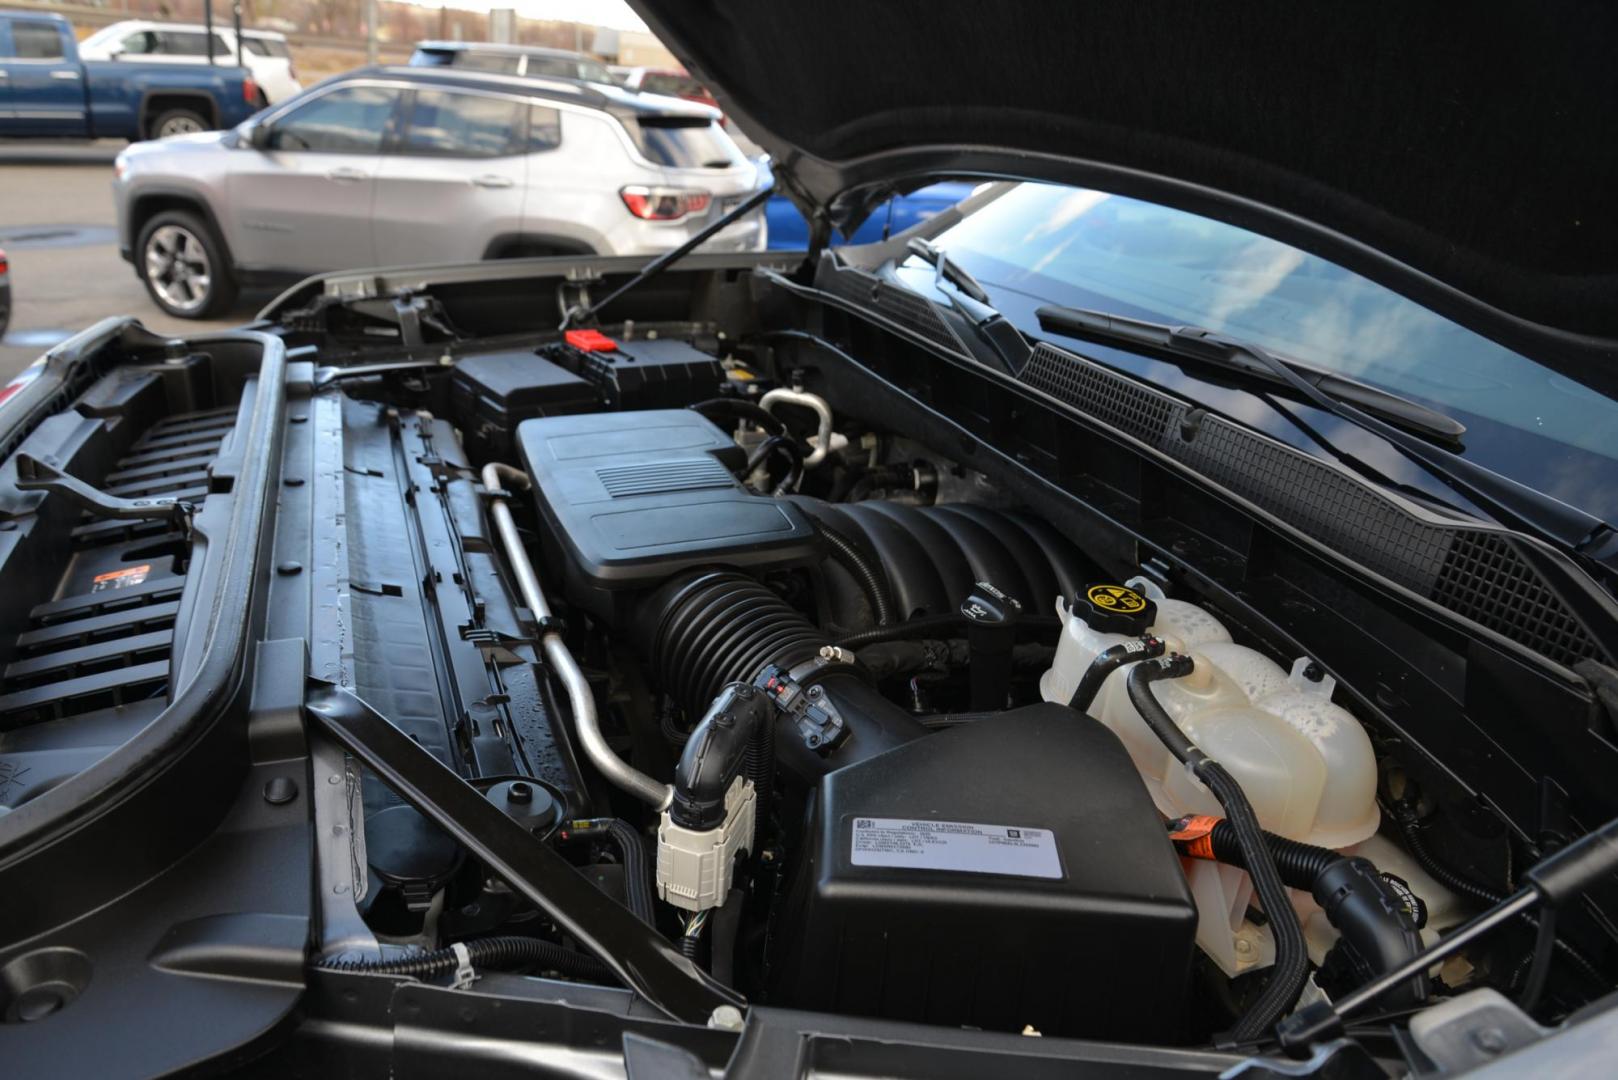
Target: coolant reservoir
<point>1305,764</point>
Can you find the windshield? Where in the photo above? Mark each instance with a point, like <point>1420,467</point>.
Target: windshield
<point>1090,249</point>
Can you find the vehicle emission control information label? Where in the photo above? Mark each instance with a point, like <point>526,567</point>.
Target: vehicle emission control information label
<point>955,845</point>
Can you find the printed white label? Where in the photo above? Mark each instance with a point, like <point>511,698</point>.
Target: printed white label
<point>955,845</point>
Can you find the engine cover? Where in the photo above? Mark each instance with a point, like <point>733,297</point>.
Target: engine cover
<point>1007,872</point>
<point>631,498</point>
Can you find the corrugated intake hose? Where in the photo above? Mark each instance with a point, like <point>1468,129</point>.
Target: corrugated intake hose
<point>706,630</point>
<point>496,953</point>
<point>1291,951</point>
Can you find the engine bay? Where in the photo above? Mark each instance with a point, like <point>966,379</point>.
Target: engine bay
<point>824,704</point>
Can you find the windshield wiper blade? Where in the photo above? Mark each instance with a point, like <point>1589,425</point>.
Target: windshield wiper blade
<point>1512,504</point>
<point>970,299</point>
<point>1195,343</point>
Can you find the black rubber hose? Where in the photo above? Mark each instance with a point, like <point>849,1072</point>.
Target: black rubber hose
<point>737,409</point>
<point>1299,864</point>
<point>760,767</point>
<point>1108,661</point>
<point>638,889</point>
<point>495,953</point>
<point>1540,966</point>
<point>1291,968</point>
<point>872,581</point>
<point>785,445</point>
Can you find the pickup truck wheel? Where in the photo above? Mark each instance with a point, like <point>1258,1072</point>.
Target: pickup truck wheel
<point>178,122</point>
<point>184,266</point>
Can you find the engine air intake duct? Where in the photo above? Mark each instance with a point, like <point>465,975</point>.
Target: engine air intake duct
<point>707,629</point>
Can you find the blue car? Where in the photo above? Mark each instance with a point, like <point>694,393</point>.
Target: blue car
<point>790,232</point>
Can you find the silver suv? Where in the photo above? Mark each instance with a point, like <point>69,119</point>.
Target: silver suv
<point>399,166</point>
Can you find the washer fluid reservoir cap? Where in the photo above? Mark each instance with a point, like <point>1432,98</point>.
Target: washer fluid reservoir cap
<point>1115,609</point>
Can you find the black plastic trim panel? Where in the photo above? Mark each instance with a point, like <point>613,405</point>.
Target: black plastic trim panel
<point>1476,573</point>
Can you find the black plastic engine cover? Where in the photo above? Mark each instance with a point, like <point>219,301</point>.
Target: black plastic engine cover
<point>631,498</point>
<point>1007,872</point>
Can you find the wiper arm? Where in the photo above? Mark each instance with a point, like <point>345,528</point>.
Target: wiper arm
<point>948,269</point>
<point>970,299</point>
<point>1512,504</point>
<point>1195,343</point>
<point>579,314</point>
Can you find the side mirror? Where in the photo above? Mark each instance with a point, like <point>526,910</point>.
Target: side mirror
<point>258,136</point>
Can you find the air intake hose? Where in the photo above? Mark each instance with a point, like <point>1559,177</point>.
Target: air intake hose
<point>708,629</point>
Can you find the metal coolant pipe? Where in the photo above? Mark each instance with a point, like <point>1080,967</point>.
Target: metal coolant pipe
<point>617,771</point>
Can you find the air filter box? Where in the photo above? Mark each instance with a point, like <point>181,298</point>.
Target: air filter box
<point>665,373</point>
<point>1002,873</point>
<point>492,393</point>
<point>630,498</point>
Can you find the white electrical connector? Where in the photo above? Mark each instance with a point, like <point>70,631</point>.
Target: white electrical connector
<point>694,866</point>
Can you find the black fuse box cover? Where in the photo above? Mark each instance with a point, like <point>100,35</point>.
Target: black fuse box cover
<point>630,498</point>
<point>492,393</point>
<point>664,373</point>
<point>1001,873</point>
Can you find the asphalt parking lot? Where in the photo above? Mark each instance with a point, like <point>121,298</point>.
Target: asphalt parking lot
<point>57,228</point>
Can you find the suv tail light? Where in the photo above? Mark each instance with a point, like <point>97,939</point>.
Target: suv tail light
<point>4,266</point>
<point>664,203</point>
<point>250,92</point>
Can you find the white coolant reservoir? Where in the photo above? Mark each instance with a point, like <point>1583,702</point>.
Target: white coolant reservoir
<point>1305,764</point>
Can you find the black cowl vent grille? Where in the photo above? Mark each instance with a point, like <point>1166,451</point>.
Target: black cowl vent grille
<point>1144,413</point>
<point>904,307</point>
<point>1485,580</point>
<point>1474,573</point>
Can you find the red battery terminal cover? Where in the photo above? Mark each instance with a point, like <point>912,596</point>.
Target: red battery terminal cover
<point>590,341</point>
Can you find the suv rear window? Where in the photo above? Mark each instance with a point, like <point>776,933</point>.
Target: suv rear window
<point>681,142</point>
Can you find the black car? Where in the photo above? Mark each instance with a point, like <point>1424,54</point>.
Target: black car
<point>1163,604</point>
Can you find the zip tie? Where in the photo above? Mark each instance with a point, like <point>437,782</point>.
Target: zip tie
<point>464,975</point>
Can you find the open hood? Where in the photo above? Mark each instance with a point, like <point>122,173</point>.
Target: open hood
<point>1465,156</point>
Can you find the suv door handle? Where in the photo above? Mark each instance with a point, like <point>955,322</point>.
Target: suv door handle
<point>68,75</point>
<point>492,181</point>
<point>345,174</point>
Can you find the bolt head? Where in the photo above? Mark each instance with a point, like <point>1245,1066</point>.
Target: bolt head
<point>727,1017</point>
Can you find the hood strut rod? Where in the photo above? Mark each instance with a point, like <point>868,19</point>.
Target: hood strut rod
<point>646,962</point>
<point>586,311</point>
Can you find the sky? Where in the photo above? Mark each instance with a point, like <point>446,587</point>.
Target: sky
<point>613,13</point>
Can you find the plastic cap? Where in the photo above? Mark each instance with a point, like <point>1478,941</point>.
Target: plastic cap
<point>1114,609</point>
